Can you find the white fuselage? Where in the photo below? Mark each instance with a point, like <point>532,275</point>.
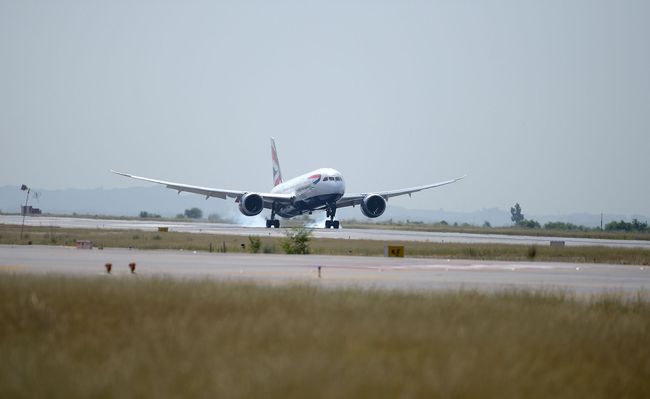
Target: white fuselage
<point>311,191</point>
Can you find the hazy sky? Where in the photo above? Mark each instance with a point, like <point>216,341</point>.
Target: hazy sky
<point>542,102</point>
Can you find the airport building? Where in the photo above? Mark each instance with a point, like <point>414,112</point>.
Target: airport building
<point>29,210</point>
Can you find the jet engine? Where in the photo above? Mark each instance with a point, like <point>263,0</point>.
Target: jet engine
<point>373,205</point>
<point>251,204</point>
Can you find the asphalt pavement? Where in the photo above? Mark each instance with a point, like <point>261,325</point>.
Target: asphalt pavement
<point>335,271</point>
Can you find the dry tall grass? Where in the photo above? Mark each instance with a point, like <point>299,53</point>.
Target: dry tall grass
<point>112,337</point>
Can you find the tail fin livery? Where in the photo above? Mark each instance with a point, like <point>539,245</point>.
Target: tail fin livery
<point>277,174</point>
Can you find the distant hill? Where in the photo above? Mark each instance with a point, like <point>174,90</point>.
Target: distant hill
<point>130,201</point>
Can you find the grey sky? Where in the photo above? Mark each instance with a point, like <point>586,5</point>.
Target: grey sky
<point>542,102</point>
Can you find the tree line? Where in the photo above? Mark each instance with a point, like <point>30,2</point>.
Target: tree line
<point>518,218</point>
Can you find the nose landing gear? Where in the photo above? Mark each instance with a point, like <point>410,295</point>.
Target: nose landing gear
<point>272,223</point>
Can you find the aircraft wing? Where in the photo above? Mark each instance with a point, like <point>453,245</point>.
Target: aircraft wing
<point>269,198</point>
<point>355,199</point>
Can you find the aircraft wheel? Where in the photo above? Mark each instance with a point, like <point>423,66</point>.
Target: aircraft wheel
<point>276,224</point>
<point>328,224</point>
<point>335,224</point>
<point>268,223</point>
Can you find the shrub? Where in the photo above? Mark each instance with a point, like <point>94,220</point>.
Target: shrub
<point>636,225</point>
<point>255,244</point>
<point>564,226</point>
<point>297,241</point>
<point>529,224</point>
<point>145,214</point>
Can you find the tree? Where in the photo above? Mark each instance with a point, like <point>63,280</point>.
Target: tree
<point>194,213</point>
<point>517,217</point>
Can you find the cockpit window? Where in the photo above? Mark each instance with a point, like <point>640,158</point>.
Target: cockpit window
<point>338,178</point>
<point>326,178</point>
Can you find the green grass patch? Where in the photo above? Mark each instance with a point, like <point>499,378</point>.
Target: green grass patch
<point>113,337</point>
<point>9,234</point>
<point>508,230</point>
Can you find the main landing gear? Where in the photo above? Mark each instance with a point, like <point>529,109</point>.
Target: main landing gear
<point>272,222</point>
<point>331,212</point>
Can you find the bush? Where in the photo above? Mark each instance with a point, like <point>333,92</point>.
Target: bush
<point>636,225</point>
<point>297,241</point>
<point>145,214</point>
<point>255,244</point>
<point>564,226</point>
<point>194,213</point>
<point>529,224</point>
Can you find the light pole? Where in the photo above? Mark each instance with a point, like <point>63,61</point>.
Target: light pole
<point>24,188</point>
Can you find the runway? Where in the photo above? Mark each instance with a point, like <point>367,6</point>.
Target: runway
<point>335,271</point>
<point>343,233</point>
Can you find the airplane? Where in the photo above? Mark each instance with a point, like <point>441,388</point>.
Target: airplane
<point>318,190</point>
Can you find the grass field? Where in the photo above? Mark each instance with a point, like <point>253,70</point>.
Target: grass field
<point>111,337</point>
<point>507,230</point>
<point>9,234</point>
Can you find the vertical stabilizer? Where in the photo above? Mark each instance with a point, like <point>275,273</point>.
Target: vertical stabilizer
<point>277,174</point>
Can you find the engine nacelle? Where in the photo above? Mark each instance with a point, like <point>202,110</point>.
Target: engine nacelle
<point>251,204</point>
<point>373,206</point>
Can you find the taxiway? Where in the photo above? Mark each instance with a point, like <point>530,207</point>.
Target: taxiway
<point>335,271</point>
